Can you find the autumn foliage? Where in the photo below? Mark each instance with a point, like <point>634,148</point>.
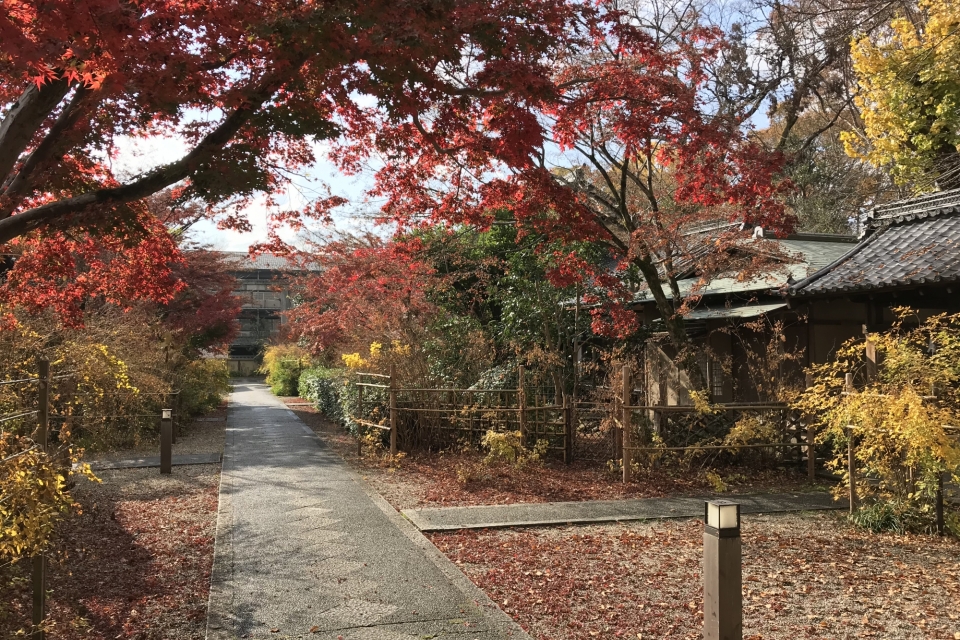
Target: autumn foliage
<point>900,419</point>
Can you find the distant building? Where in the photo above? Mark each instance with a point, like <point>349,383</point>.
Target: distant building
<point>263,285</point>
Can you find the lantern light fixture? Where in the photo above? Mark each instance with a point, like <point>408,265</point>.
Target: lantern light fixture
<point>722,518</point>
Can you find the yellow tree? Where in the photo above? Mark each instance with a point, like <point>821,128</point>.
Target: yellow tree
<point>909,97</point>
<point>903,418</point>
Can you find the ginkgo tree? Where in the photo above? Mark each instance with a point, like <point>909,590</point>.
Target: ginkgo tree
<point>909,97</point>
<point>902,419</point>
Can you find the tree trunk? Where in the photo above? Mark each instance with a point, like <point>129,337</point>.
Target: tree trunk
<point>686,359</point>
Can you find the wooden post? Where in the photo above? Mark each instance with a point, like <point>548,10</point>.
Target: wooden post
<point>166,441</point>
<point>722,584</point>
<point>870,351</point>
<point>39,568</point>
<point>393,410</point>
<point>938,505</point>
<point>39,595</point>
<point>522,404</point>
<point>851,451</point>
<point>811,440</point>
<point>43,402</point>
<point>626,424</point>
<point>568,429</point>
<point>852,470</point>
<point>173,425</point>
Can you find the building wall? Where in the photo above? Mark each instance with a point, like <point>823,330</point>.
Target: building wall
<point>265,296</point>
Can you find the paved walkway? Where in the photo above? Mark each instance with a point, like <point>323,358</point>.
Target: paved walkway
<point>559,513</point>
<point>304,550</point>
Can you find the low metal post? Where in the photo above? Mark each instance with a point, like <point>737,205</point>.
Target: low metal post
<point>166,441</point>
<point>568,429</point>
<point>393,410</point>
<point>722,572</point>
<point>627,424</point>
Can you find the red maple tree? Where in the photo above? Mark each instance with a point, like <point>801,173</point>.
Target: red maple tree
<point>365,288</point>
<point>624,148</point>
<point>248,85</point>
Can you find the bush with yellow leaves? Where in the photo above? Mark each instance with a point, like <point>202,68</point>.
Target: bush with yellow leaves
<point>34,495</point>
<point>507,447</point>
<point>904,421</point>
<point>283,364</point>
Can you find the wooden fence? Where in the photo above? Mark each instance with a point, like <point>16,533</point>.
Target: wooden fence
<point>417,417</point>
<point>38,391</point>
<point>438,418</point>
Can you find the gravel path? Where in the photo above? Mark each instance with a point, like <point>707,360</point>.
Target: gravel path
<point>304,550</point>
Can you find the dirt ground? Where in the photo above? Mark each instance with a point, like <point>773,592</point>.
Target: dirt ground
<point>135,561</point>
<point>804,576</point>
<point>460,479</point>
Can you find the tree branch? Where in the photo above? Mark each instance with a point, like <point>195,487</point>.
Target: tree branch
<point>15,185</point>
<point>157,179</point>
<point>25,117</point>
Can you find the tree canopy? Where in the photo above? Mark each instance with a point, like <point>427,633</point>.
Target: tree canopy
<point>910,97</point>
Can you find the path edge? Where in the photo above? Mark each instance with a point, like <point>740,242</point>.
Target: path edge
<point>219,600</point>
<point>494,615</point>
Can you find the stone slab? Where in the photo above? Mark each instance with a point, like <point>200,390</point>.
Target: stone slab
<point>154,461</point>
<point>599,511</point>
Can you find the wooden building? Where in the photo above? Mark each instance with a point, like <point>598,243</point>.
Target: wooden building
<point>822,290</point>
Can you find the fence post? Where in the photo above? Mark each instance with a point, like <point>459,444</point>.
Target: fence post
<point>173,423</point>
<point>626,424</point>
<point>811,440</point>
<point>522,404</point>
<point>568,429</point>
<point>393,410</point>
<point>360,417</point>
<point>43,403</point>
<point>166,441</point>
<point>941,525</point>
<point>852,469</point>
<point>870,352</point>
<point>39,569</point>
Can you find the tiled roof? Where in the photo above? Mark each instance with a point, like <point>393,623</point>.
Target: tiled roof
<point>242,261</point>
<point>803,255</point>
<point>928,206</point>
<point>910,243</point>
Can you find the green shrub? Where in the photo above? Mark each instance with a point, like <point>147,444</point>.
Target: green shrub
<point>283,365</point>
<point>894,516</point>
<point>203,384</point>
<point>323,387</point>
